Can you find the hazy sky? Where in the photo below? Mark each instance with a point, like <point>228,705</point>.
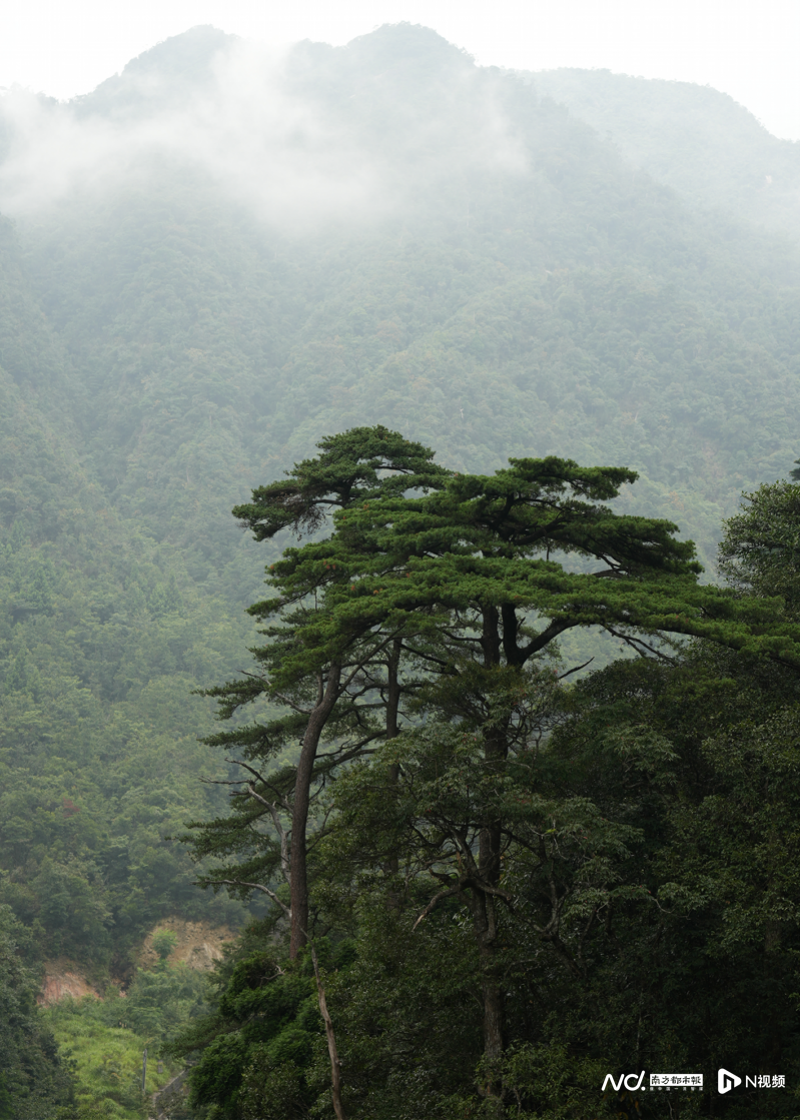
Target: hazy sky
<point>747,48</point>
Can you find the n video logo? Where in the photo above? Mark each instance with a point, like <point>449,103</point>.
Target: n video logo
<point>727,1080</point>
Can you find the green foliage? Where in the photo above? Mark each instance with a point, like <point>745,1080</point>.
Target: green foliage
<point>160,1002</point>
<point>511,845</point>
<point>98,743</point>
<point>36,1083</point>
<point>256,1049</point>
<point>160,358</point>
<point>760,552</point>
<point>107,1061</point>
<point>164,942</point>
<point>106,1039</point>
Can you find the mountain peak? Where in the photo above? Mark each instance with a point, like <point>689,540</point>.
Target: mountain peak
<point>164,72</point>
<point>403,42</point>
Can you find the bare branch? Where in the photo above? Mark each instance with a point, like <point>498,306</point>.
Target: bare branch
<point>577,669</point>
<point>271,808</point>
<point>368,656</point>
<point>245,766</point>
<point>255,887</point>
<point>638,644</point>
<point>434,902</point>
<point>474,883</point>
<point>291,704</point>
<point>545,637</point>
<point>336,1065</point>
<point>344,755</point>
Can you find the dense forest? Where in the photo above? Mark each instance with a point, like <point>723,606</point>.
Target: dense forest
<point>504,796</point>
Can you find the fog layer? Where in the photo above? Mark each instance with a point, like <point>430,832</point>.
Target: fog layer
<point>301,136</point>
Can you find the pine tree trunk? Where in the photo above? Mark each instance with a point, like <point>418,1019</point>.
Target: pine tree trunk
<point>298,885</point>
<point>484,925</point>
<point>484,917</point>
<point>392,731</point>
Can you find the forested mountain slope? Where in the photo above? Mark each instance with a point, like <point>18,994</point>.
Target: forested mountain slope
<point>102,639</point>
<point>469,264</point>
<point>220,256</point>
<point>693,138</point>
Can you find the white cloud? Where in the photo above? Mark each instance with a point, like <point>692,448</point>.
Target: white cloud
<point>293,157</point>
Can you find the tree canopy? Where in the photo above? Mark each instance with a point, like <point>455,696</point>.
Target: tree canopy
<point>417,643</point>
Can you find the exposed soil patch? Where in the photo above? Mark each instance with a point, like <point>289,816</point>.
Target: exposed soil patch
<point>199,944</point>
<point>62,979</point>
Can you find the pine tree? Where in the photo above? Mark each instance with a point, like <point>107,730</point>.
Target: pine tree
<point>450,591</point>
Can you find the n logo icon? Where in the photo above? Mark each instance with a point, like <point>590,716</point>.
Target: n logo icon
<point>727,1080</point>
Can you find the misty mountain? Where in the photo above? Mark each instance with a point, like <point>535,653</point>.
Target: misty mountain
<point>713,151</point>
<point>240,253</point>
<point>223,254</point>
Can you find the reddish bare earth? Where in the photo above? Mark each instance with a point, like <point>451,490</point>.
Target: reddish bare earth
<point>62,979</point>
<point>199,946</point>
